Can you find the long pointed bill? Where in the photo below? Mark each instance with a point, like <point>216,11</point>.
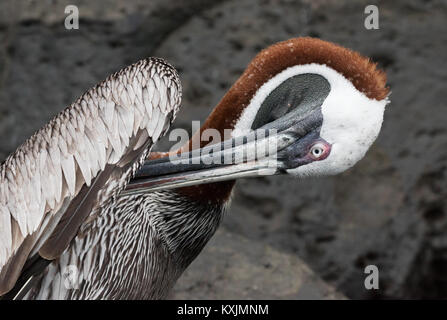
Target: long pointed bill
<point>258,153</point>
<point>246,156</point>
<point>209,175</point>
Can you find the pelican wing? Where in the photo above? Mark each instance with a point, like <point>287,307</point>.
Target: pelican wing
<point>82,158</point>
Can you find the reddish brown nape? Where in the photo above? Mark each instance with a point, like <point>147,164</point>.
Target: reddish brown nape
<point>363,74</point>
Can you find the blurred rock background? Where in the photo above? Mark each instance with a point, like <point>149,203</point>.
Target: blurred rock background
<point>390,210</point>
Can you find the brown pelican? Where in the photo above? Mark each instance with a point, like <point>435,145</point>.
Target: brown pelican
<point>88,212</point>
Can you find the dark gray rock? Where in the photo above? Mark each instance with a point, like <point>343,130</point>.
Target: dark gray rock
<point>232,266</point>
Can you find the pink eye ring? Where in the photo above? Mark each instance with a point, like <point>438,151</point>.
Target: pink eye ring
<point>319,151</point>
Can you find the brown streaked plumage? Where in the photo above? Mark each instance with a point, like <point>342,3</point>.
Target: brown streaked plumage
<point>80,161</point>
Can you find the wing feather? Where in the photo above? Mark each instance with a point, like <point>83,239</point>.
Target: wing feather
<point>103,134</point>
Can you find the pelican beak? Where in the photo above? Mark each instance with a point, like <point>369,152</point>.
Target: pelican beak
<point>261,152</point>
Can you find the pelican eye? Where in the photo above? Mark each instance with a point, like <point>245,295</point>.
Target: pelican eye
<point>317,150</point>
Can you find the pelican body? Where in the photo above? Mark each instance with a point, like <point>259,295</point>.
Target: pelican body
<point>87,211</point>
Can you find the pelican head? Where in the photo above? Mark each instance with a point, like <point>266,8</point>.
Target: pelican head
<point>314,107</point>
